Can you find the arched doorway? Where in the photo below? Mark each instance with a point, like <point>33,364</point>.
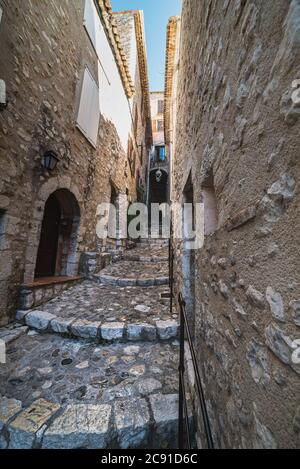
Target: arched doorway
<point>158,186</point>
<point>58,241</point>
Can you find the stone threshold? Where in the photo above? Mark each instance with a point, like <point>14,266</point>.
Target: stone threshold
<point>154,241</point>
<point>45,289</point>
<point>153,259</point>
<point>150,422</point>
<point>130,282</point>
<point>48,281</point>
<point>98,332</point>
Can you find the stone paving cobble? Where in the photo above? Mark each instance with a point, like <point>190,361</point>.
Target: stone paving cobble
<point>136,270</point>
<point>63,370</point>
<point>64,391</point>
<point>104,303</point>
<point>153,253</point>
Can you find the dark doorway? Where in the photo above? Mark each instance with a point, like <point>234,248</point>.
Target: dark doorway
<point>57,252</point>
<point>188,258</point>
<point>158,187</point>
<point>47,253</point>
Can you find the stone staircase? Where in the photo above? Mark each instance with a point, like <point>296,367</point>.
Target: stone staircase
<point>97,366</point>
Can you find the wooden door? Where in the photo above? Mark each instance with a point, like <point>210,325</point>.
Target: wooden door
<point>47,252</point>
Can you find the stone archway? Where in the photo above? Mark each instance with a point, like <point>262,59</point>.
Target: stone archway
<point>58,241</point>
<point>50,187</point>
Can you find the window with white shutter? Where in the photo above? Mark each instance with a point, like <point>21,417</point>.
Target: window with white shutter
<point>92,22</point>
<point>89,108</point>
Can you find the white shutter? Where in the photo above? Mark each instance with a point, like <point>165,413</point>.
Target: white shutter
<point>90,21</point>
<point>89,108</point>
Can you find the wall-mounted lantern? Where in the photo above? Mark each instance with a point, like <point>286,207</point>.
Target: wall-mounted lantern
<point>3,100</point>
<point>50,160</point>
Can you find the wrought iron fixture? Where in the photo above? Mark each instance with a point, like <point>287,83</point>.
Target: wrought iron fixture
<point>50,160</point>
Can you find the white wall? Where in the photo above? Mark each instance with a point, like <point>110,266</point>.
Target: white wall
<point>114,105</point>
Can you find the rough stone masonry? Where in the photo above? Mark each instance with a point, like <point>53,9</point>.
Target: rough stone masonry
<point>237,143</point>
<point>45,51</point>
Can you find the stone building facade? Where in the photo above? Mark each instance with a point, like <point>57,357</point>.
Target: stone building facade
<point>171,83</point>
<point>237,151</point>
<point>69,92</point>
<point>159,167</point>
<point>132,34</point>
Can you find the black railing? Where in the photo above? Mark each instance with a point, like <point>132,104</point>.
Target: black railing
<point>171,272</point>
<point>184,434</point>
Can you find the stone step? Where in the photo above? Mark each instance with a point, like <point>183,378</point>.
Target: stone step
<point>130,282</point>
<point>99,332</point>
<point>136,258</point>
<point>66,394</point>
<point>154,241</point>
<point>125,424</point>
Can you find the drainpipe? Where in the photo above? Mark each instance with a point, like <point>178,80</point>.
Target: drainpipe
<point>148,176</point>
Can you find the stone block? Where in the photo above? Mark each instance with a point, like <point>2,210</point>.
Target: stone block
<point>108,280</point>
<point>256,298</point>
<point>39,320</point>
<point>165,413</point>
<point>132,421</point>
<point>283,346</point>
<point>276,304</point>
<point>127,282</point>
<point>112,331</point>
<point>8,408</point>
<point>61,325</point>
<point>147,386</point>
<point>145,282</point>
<point>21,314</point>
<point>295,307</point>
<point>136,332</point>
<point>240,219</point>
<point>82,426</point>
<point>167,329</point>
<point>23,428</point>
<point>86,329</point>
<point>161,281</point>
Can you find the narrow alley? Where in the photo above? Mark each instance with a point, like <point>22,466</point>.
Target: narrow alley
<point>117,367</point>
<point>149,226</point>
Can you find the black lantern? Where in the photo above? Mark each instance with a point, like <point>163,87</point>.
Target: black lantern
<point>50,160</point>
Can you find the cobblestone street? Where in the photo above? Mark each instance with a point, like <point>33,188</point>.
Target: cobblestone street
<point>128,378</point>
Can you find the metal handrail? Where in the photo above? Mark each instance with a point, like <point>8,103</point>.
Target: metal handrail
<point>183,412</point>
<point>171,269</point>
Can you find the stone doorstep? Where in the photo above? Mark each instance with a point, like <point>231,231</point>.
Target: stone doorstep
<point>131,282</point>
<point>92,426</point>
<point>43,321</point>
<point>24,428</point>
<point>148,260</point>
<point>9,335</point>
<point>80,426</point>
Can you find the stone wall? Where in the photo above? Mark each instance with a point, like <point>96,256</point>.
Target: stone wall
<point>129,23</point>
<point>238,133</point>
<point>44,51</point>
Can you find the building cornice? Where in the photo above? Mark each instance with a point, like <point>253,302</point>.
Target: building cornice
<point>115,41</point>
<point>169,72</point>
<point>142,54</point>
